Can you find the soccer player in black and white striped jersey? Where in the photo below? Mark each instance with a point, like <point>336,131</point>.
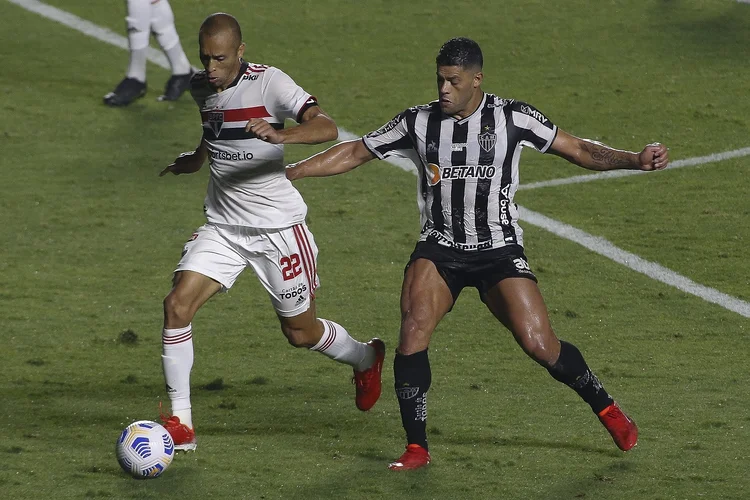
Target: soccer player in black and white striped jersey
<point>466,147</point>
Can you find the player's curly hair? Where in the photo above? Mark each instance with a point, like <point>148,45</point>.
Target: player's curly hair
<point>460,51</point>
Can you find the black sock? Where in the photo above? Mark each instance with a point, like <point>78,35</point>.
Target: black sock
<point>413,377</point>
<point>571,369</point>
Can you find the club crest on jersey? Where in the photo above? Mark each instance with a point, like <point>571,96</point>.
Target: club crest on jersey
<point>487,140</point>
<point>216,121</point>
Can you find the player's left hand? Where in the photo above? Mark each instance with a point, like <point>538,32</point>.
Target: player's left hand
<point>655,156</point>
<point>264,131</point>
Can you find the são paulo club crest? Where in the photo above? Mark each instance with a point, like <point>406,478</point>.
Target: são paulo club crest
<point>487,140</point>
<point>215,121</point>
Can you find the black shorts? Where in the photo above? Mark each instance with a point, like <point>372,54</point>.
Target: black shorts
<point>481,269</point>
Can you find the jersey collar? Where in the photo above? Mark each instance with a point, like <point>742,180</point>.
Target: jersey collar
<point>479,107</point>
<point>243,69</point>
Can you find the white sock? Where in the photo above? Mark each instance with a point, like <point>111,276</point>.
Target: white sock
<point>337,344</point>
<point>137,66</point>
<point>139,32</point>
<point>162,24</point>
<point>177,361</point>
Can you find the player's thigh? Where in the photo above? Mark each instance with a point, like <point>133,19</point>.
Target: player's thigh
<point>211,251</point>
<point>425,300</point>
<point>285,262</point>
<point>518,303</point>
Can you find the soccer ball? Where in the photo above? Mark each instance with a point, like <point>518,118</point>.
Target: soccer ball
<point>145,449</point>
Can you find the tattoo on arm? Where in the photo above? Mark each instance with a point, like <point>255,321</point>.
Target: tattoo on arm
<point>608,158</point>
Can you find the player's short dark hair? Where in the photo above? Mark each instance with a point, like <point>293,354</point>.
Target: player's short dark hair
<point>221,22</point>
<point>460,51</point>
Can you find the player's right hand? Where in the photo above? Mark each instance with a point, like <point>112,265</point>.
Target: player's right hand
<point>186,163</point>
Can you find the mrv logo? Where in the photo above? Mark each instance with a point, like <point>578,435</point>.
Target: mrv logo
<point>534,113</point>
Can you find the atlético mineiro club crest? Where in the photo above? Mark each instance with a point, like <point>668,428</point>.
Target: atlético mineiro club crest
<point>487,140</point>
<point>216,121</point>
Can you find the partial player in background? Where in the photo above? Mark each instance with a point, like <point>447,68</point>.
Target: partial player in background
<point>466,147</point>
<point>146,17</point>
<point>255,217</point>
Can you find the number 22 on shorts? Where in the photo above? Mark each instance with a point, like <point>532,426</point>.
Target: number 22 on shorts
<point>290,266</point>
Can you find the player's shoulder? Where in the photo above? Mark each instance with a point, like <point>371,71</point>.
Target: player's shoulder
<point>495,101</point>
<point>257,70</point>
<point>527,109</point>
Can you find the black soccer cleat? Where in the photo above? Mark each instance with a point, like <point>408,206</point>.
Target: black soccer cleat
<point>126,92</point>
<point>176,85</point>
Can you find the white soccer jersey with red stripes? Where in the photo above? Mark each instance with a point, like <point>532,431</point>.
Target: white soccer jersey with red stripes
<point>247,184</point>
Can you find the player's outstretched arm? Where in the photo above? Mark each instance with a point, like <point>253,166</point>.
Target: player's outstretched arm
<point>338,159</point>
<point>596,156</point>
<point>315,127</point>
<point>187,163</point>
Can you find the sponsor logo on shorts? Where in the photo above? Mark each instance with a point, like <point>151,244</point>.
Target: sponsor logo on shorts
<point>296,291</point>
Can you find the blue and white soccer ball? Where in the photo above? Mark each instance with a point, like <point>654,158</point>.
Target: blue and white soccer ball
<point>145,449</point>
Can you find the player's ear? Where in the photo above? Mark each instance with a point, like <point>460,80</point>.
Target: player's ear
<point>478,77</point>
<point>241,50</point>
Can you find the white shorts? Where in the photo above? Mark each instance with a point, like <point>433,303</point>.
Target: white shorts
<point>285,261</point>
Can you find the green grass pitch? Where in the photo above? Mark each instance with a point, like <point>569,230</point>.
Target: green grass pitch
<point>90,236</point>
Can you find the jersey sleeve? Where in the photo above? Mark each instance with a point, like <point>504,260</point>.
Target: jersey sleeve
<point>284,98</point>
<point>391,139</point>
<point>537,130</point>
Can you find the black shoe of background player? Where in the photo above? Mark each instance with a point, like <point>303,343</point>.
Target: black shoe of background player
<point>126,92</point>
<point>176,85</point>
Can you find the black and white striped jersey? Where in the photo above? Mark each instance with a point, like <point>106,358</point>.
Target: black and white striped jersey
<point>468,169</point>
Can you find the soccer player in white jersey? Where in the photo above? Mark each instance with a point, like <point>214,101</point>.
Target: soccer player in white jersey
<point>146,17</point>
<point>255,217</point>
<point>466,147</point>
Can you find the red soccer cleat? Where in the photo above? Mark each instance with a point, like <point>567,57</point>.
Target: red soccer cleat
<point>367,382</point>
<point>182,435</point>
<point>623,430</point>
<point>413,458</point>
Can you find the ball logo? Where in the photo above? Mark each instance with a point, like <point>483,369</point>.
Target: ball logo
<point>168,444</point>
<point>142,446</point>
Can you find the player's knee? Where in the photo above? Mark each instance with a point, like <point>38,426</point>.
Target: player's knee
<point>414,337</point>
<point>298,337</point>
<point>139,31</point>
<point>176,310</point>
<point>542,348</point>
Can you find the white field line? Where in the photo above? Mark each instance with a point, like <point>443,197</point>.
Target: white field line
<point>688,162</point>
<point>593,243</point>
<point>650,269</point>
